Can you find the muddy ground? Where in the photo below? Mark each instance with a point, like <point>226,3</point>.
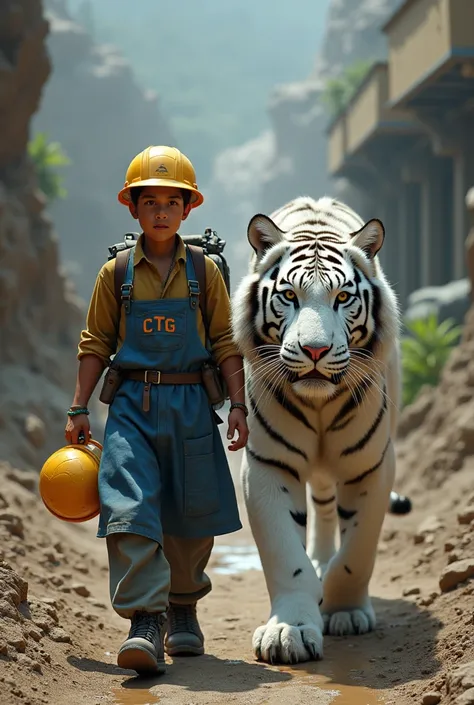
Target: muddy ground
<point>58,645</point>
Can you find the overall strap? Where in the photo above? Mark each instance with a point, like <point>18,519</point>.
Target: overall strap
<point>199,263</point>
<point>123,277</point>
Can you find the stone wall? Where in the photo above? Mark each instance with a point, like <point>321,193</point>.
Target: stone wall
<point>40,316</point>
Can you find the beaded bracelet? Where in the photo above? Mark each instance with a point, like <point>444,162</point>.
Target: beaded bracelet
<point>239,405</point>
<point>78,411</point>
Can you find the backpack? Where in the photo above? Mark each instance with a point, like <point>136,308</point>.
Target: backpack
<point>209,244</point>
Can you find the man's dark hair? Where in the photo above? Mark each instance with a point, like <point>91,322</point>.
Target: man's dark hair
<point>135,192</point>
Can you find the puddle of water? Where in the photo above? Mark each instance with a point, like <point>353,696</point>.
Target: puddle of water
<point>134,696</point>
<point>334,679</point>
<point>236,559</point>
<point>352,695</point>
<point>338,693</point>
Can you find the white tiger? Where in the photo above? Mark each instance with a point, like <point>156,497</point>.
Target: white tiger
<point>318,325</point>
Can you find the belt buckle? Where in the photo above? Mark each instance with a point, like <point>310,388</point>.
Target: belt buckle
<point>156,373</point>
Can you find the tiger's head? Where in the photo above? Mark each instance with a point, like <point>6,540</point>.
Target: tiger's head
<point>316,310</point>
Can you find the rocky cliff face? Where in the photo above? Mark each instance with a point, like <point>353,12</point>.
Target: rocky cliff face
<point>294,154</point>
<point>39,314</point>
<point>94,107</point>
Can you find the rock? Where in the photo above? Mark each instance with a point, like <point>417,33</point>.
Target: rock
<point>467,698</point>
<point>429,599</point>
<point>18,641</point>
<point>34,634</point>
<point>13,588</point>
<point>429,526</point>
<point>13,522</point>
<point>80,589</point>
<point>81,568</point>
<point>60,635</point>
<point>453,557</point>
<point>32,665</point>
<point>100,605</point>
<point>416,413</point>
<point>411,591</point>
<point>432,698</point>
<point>456,573</point>
<point>466,515</point>
<point>448,301</point>
<point>35,430</point>
<point>462,677</point>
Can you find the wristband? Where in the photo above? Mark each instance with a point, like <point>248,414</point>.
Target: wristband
<point>77,411</point>
<point>239,405</point>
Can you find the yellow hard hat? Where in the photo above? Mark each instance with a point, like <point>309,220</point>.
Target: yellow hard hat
<point>68,482</point>
<point>161,166</point>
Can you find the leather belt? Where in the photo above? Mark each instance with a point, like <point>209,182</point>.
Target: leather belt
<point>157,377</point>
<point>149,377</point>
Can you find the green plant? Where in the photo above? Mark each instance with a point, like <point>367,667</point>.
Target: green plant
<point>339,91</point>
<point>425,352</point>
<point>47,157</point>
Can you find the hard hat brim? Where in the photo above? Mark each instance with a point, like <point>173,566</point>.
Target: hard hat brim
<point>196,198</point>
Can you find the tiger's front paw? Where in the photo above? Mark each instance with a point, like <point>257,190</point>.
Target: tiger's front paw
<point>277,642</point>
<point>351,621</point>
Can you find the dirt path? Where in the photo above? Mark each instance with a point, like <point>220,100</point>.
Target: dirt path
<point>355,671</point>
<point>418,639</point>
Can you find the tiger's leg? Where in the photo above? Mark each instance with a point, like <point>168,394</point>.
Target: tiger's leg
<point>362,504</point>
<point>276,506</point>
<point>322,523</point>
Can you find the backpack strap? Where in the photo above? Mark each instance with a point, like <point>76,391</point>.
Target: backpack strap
<point>121,264</point>
<point>199,262</point>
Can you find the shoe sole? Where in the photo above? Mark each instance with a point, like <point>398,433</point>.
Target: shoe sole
<point>185,650</point>
<point>140,660</point>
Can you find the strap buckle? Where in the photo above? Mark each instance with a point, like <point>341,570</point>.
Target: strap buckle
<point>194,292</point>
<point>193,286</point>
<point>152,377</point>
<point>126,295</point>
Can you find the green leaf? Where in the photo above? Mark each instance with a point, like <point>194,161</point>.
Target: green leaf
<point>339,91</point>
<point>47,157</point>
<point>424,352</point>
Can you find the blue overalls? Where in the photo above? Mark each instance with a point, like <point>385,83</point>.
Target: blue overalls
<point>164,470</point>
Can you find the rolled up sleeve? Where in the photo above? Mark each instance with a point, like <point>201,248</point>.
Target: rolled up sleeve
<point>219,315</point>
<point>100,335</point>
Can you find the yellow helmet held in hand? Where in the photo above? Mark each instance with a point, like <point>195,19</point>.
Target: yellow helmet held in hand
<point>161,166</point>
<point>68,482</point>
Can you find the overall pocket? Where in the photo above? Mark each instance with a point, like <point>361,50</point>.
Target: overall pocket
<point>159,332</point>
<point>201,491</point>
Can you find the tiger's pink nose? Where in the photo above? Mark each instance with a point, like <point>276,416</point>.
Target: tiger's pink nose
<point>315,353</point>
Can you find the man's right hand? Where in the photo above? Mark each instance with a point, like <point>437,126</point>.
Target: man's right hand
<point>74,426</point>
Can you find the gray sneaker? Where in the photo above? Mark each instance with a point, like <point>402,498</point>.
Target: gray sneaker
<point>143,650</point>
<point>184,636</point>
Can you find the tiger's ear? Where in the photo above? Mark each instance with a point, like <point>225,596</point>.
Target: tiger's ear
<point>370,237</point>
<point>263,234</point>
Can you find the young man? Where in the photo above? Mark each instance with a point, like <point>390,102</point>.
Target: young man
<point>164,482</point>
